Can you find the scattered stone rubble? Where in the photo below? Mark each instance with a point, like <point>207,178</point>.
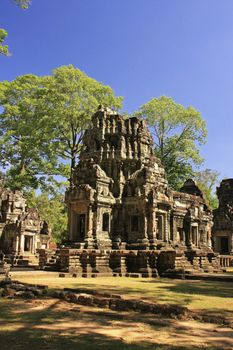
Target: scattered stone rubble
<point>11,289</point>
<point>14,289</point>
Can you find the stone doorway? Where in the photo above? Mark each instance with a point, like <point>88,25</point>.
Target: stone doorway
<point>81,227</point>
<point>224,245</point>
<point>28,243</point>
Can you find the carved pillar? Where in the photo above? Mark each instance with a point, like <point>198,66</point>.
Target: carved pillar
<point>89,230</point>
<point>22,243</point>
<point>188,235</point>
<point>174,225</point>
<point>17,244</point>
<point>166,227</point>
<point>152,226</point>
<point>231,244</point>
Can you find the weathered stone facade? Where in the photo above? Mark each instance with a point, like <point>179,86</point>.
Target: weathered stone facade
<point>21,229</point>
<point>223,219</point>
<point>119,200</point>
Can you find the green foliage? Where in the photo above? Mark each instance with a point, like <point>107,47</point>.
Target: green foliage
<point>53,210</point>
<point>177,133</point>
<point>207,180</point>
<point>3,48</point>
<point>23,4</point>
<point>26,151</point>
<point>42,125</point>
<point>71,100</point>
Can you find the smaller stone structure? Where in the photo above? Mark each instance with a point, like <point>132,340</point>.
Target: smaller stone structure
<point>21,229</point>
<point>223,219</point>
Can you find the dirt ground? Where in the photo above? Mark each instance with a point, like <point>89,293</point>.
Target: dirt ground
<point>55,324</point>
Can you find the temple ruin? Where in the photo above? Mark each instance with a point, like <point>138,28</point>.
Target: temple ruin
<point>22,231</point>
<point>123,217</point>
<point>223,219</point>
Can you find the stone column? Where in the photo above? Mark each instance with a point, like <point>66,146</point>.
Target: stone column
<point>22,243</point>
<point>231,244</point>
<point>152,226</point>
<point>174,229</point>
<point>89,229</point>
<point>166,227</point>
<point>17,244</point>
<point>33,244</point>
<point>188,233</point>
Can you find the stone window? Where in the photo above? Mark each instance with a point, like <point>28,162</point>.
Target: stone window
<point>135,223</point>
<point>105,222</point>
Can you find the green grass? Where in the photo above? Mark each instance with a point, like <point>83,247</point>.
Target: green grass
<point>211,295</point>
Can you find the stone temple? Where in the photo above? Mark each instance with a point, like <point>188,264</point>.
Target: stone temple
<point>223,219</point>
<point>22,231</point>
<point>123,217</point>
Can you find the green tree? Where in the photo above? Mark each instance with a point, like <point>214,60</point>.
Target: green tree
<point>53,210</point>
<point>42,124</point>
<point>71,100</point>
<point>4,49</point>
<point>26,151</point>
<point>207,180</point>
<point>23,4</point>
<point>177,133</point>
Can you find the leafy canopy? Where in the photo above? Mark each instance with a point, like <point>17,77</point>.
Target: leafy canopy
<point>4,49</point>
<point>207,180</point>
<point>26,150</point>
<point>53,210</point>
<point>42,124</point>
<point>177,133</point>
<point>71,100</point>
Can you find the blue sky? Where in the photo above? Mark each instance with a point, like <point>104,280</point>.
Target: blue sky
<point>141,48</point>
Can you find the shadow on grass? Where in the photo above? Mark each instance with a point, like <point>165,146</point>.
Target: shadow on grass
<point>215,289</point>
<point>51,328</point>
<point>155,295</point>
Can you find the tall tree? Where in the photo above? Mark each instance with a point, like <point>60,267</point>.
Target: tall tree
<point>207,180</point>
<point>4,49</point>
<point>71,100</point>
<point>42,124</point>
<point>52,209</point>
<point>177,133</point>
<point>26,152</point>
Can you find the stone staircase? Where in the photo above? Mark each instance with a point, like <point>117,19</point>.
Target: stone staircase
<point>25,260</point>
<point>49,260</point>
<point>182,263</point>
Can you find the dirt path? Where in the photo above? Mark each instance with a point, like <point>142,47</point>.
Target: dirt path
<point>55,324</point>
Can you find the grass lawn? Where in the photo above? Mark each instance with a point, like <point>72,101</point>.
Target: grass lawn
<point>51,324</point>
<point>193,294</point>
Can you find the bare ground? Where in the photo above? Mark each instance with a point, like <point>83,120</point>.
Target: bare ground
<point>55,324</point>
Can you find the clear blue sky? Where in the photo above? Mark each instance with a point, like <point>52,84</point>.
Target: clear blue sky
<point>141,48</point>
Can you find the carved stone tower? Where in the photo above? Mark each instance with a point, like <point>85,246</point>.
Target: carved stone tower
<point>120,199</point>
